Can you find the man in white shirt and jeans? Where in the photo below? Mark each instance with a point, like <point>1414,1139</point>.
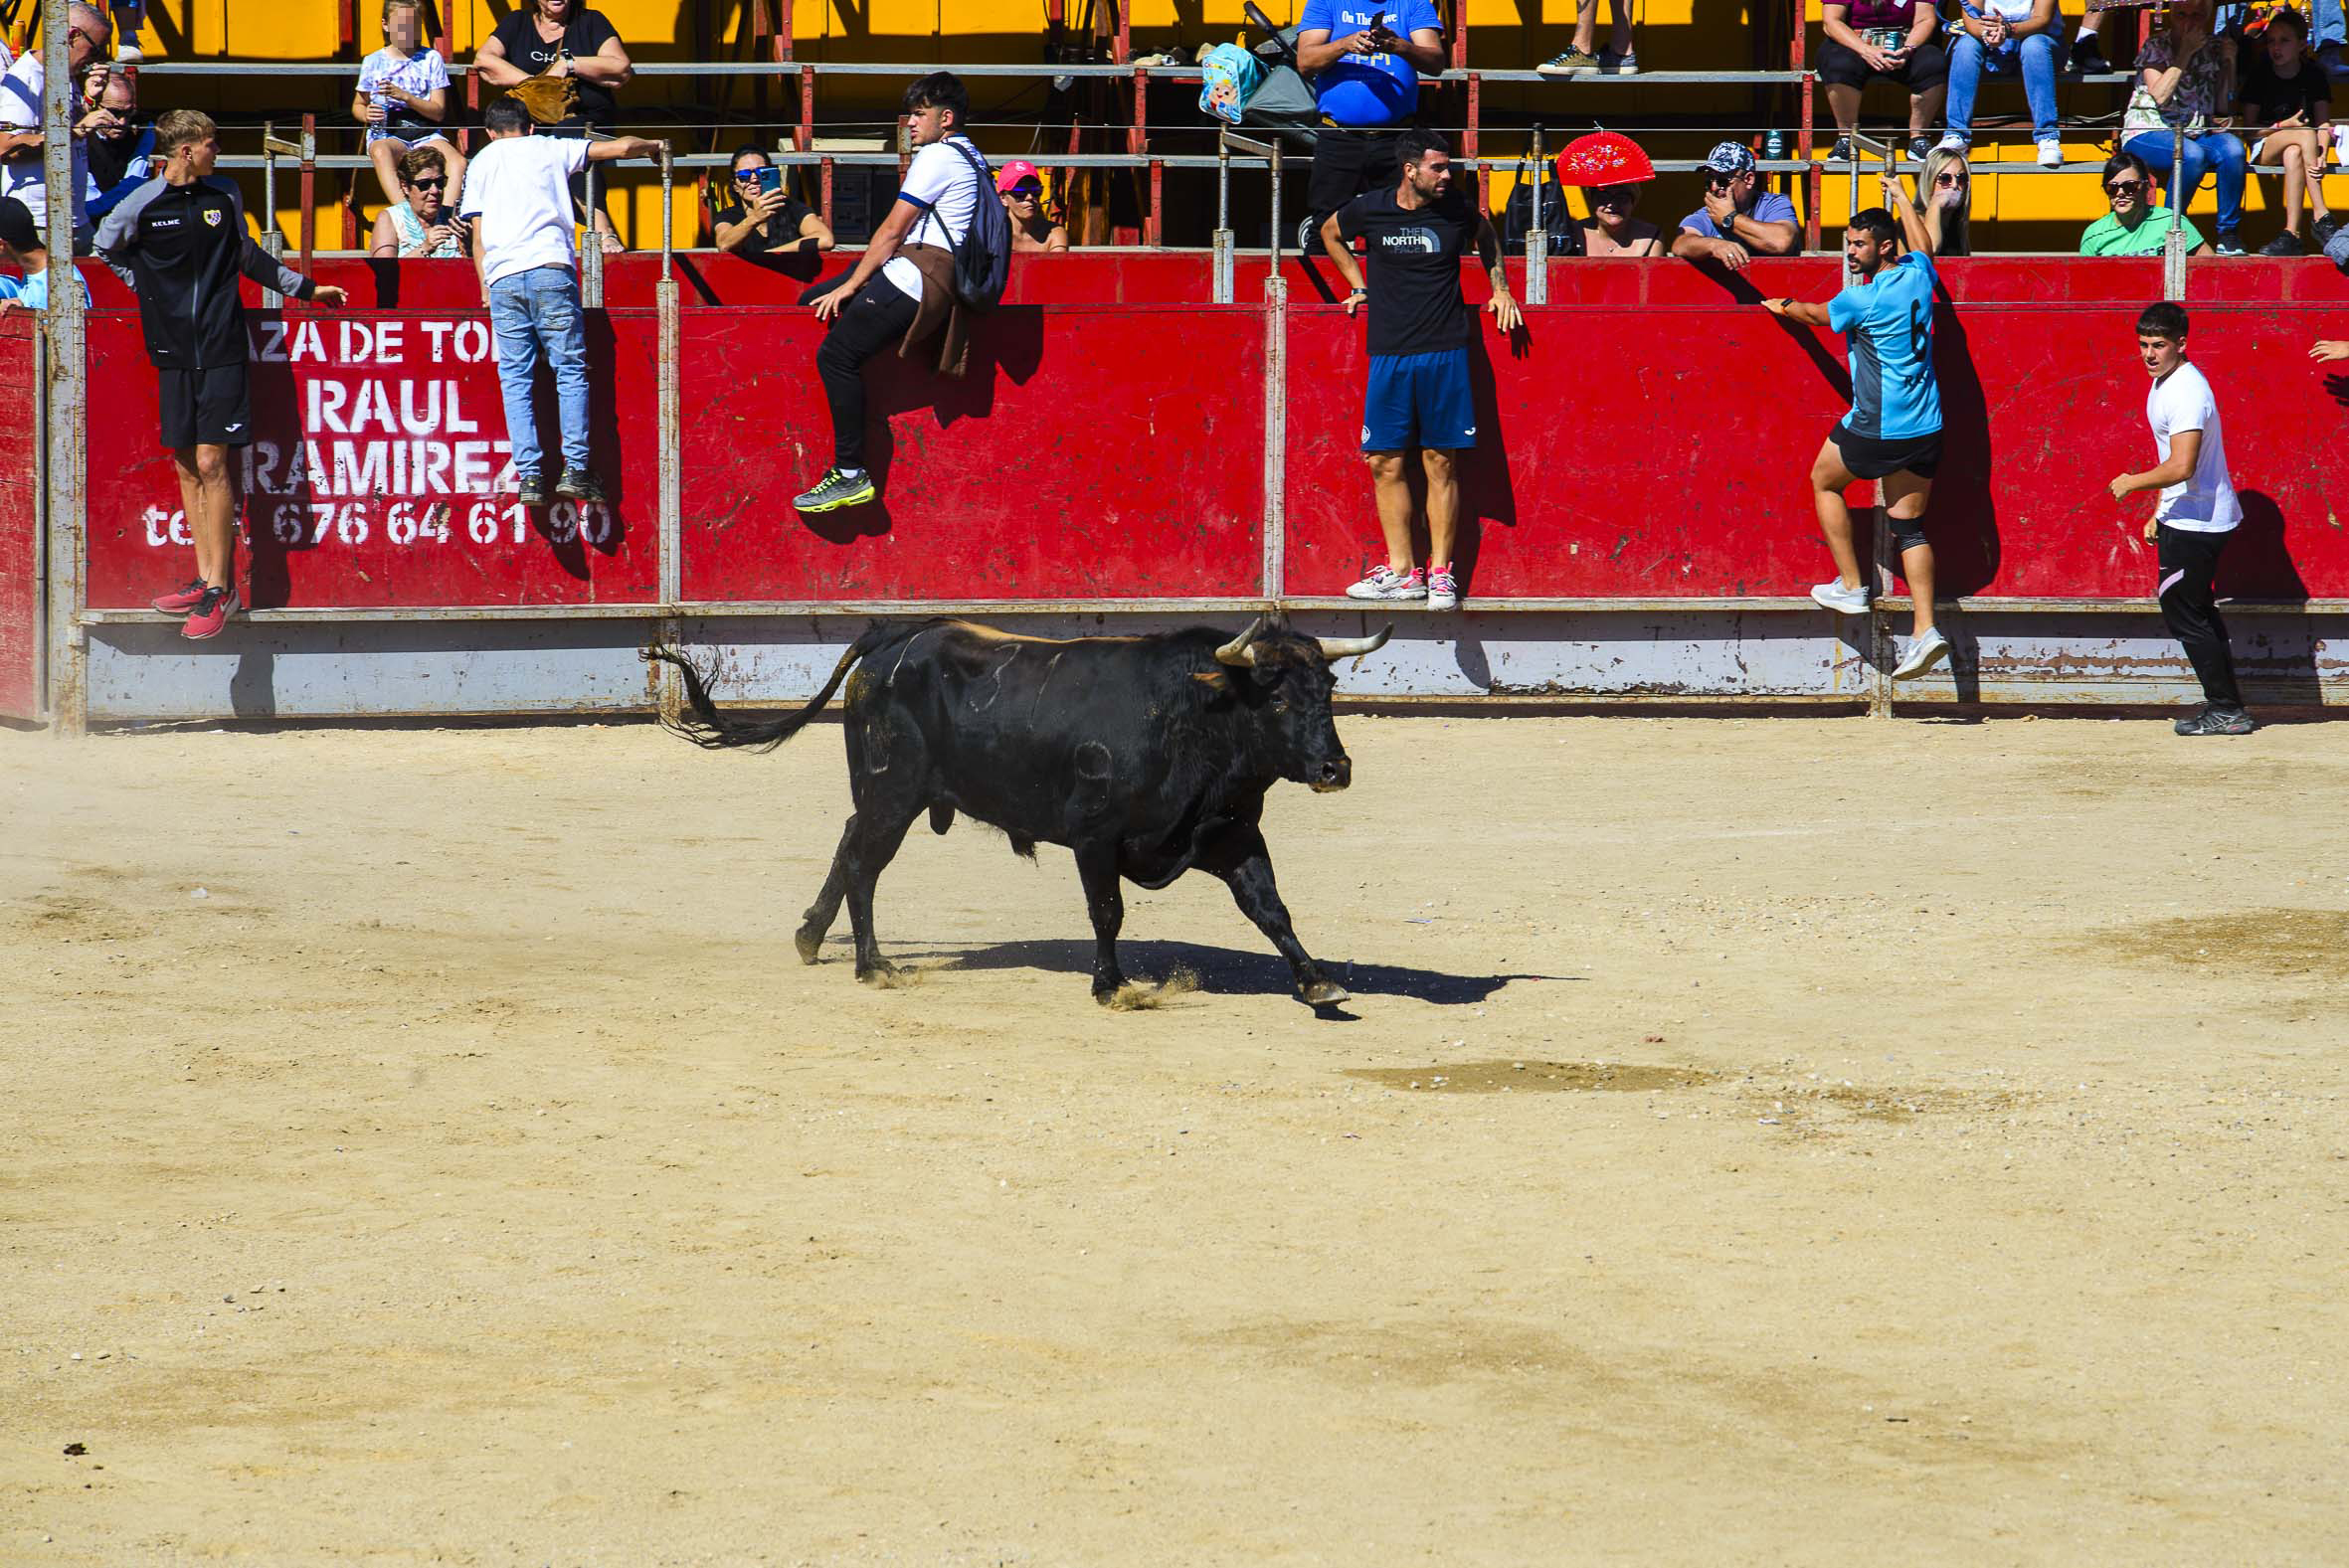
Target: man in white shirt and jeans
<point>2198,512</point>
<point>517,194</point>
<point>913,252</point>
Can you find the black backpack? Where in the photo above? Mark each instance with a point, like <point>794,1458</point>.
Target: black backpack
<point>983,262</point>
<point>1517,218</point>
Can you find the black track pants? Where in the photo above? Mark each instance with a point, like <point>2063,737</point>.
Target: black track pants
<point>876,320</point>
<point>2189,571</point>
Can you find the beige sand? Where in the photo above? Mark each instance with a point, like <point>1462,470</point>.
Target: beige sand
<point>1756,1140</point>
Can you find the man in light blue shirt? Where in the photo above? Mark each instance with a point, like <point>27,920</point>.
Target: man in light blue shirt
<point>21,246</point>
<point>1894,432</point>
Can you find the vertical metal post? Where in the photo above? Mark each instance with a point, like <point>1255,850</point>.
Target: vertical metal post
<point>673,519</point>
<point>65,372</point>
<point>1813,185</point>
<point>310,190</point>
<point>1274,157</point>
<point>1276,424</point>
<point>1537,238</point>
<point>1879,619</point>
<point>591,267</point>
<point>1221,284</point>
<point>2173,243</point>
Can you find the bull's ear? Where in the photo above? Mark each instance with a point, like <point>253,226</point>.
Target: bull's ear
<point>1214,680</point>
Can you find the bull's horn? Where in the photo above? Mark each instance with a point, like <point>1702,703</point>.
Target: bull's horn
<point>1336,649</point>
<point>1237,650</point>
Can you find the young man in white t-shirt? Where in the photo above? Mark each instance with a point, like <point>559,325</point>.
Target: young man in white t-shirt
<point>517,192</point>
<point>935,207</point>
<point>2197,513</point>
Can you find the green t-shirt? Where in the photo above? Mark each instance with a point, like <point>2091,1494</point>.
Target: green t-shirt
<point>2107,236</point>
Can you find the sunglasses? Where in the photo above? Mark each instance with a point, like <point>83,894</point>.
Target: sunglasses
<point>2124,187</point>
<point>429,185</point>
<point>745,176</point>
<point>1025,193</point>
<point>1949,177</point>
<point>1614,195</point>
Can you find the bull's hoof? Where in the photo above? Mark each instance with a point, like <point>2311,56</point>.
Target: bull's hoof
<point>1324,993</point>
<point>878,973</point>
<point>809,941</point>
<point>1105,991</point>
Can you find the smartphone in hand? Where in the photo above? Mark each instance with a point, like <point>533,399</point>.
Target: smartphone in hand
<point>769,180</point>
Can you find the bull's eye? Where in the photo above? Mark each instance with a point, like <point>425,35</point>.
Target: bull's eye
<point>1280,705</point>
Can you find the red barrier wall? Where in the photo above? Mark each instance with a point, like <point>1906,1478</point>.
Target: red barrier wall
<point>1650,440</point>
<point>20,519</point>
<point>1092,452</point>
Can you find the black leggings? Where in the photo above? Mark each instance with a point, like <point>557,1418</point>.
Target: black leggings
<point>870,323</point>
<point>2189,602</point>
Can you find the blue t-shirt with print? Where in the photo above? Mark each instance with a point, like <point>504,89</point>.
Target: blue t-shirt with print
<point>1367,90</point>
<point>33,292</point>
<point>1889,322</point>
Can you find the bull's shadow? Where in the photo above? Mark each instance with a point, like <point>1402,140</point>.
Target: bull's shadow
<point>1227,972</point>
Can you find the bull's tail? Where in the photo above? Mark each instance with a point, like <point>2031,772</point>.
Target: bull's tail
<point>706,727</point>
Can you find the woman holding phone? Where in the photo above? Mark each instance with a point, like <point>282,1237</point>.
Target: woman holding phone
<point>762,219</point>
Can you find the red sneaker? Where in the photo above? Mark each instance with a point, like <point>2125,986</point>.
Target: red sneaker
<point>211,612</point>
<point>180,600</point>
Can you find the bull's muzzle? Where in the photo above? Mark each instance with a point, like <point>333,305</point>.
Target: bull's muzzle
<point>1333,774</point>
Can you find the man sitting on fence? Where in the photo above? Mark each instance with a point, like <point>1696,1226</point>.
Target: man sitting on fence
<point>518,202</point>
<point>902,290</point>
<point>1739,220</point>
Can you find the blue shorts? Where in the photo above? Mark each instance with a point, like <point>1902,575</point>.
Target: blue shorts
<point>1418,400</point>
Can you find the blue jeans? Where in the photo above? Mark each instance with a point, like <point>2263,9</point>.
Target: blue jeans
<point>2329,25</point>
<point>535,310</point>
<point>1969,61</point>
<point>2212,149</point>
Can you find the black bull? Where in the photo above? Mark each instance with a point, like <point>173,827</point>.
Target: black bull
<point>1147,756</point>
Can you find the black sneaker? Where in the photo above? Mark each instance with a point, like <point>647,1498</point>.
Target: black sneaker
<point>2216,721</point>
<point>580,484</point>
<point>533,490</point>
<point>1840,152</point>
<point>2087,59</point>
<point>2285,244</point>
<point>2325,227</point>
<point>836,490</point>
<point>1921,146</point>
<point>2229,244</point>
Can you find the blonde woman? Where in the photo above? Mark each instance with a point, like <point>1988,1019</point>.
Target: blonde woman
<point>1946,193</point>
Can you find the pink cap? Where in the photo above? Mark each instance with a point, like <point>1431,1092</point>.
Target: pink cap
<point>1015,172</point>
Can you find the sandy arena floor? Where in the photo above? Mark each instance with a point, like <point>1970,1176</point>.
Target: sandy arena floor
<point>1755,1141</point>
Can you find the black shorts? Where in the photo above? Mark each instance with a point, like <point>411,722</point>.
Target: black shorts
<point>1926,67</point>
<point>1872,458</point>
<point>204,407</point>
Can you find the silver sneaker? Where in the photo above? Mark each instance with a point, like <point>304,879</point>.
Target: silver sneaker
<point>1843,600</point>
<point>1923,653</point>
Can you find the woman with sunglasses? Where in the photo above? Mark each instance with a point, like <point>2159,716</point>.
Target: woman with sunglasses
<point>1612,231</point>
<point>764,219</point>
<point>1945,191</point>
<point>422,223</point>
<point>2136,226</point>
<point>1020,188</point>
<point>1610,169</point>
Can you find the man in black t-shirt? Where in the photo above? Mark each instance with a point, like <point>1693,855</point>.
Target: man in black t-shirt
<point>1420,327</point>
<point>762,222</point>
